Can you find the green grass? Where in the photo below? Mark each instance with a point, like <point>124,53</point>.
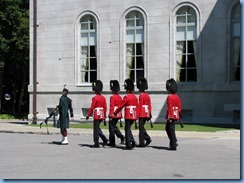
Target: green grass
<point>159,127</point>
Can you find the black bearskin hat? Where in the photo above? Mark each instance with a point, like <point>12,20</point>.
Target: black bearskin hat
<point>142,84</point>
<point>129,85</point>
<point>171,86</point>
<point>97,86</point>
<point>114,85</point>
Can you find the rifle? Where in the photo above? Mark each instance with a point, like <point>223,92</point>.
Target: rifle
<point>135,125</point>
<point>181,123</point>
<point>120,122</point>
<point>151,123</point>
<point>104,122</point>
<point>53,113</point>
<point>151,120</point>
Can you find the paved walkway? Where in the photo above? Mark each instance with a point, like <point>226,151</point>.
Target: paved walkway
<point>19,126</point>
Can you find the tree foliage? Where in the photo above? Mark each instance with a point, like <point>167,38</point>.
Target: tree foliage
<point>14,55</point>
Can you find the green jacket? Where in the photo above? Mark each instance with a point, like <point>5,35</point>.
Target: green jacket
<point>65,105</point>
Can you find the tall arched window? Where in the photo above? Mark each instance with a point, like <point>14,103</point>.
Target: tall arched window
<point>134,45</point>
<point>88,57</point>
<point>235,42</point>
<point>186,45</point>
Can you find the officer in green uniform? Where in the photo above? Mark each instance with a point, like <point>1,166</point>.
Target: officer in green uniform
<point>64,107</point>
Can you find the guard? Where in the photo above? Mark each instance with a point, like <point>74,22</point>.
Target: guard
<point>144,112</point>
<point>98,108</point>
<point>173,112</point>
<point>115,100</point>
<point>130,103</point>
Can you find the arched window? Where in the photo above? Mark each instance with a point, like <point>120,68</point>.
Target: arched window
<point>235,42</point>
<point>134,45</point>
<point>186,45</point>
<point>88,47</point>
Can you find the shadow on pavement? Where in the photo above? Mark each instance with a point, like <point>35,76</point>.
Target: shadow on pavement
<point>159,147</point>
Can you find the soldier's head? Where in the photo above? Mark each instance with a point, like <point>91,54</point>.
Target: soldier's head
<point>65,91</point>
<point>97,86</point>
<point>114,86</point>
<point>171,86</point>
<point>141,84</point>
<point>129,85</point>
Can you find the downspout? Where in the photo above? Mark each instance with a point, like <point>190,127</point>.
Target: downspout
<point>34,62</point>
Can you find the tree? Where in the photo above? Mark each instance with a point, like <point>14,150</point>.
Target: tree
<point>14,55</point>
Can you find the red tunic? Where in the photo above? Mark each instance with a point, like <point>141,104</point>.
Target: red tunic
<point>98,107</point>
<point>115,100</point>
<point>130,102</point>
<point>144,108</point>
<point>174,107</point>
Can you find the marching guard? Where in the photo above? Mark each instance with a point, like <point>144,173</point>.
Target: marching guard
<point>144,112</point>
<point>65,105</point>
<point>115,100</point>
<point>130,103</point>
<point>173,112</point>
<point>98,108</point>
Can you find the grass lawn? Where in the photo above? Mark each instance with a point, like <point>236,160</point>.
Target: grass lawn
<point>159,127</point>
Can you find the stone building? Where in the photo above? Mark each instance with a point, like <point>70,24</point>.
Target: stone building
<point>196,42</point>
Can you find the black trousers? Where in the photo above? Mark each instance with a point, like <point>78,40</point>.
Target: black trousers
<point>129,138</point>
<point>114,130</point>
<point>143,135</point>
<point>97,132</point>
<point>170,130</point>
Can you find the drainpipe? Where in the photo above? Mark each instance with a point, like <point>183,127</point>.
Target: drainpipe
<point>34,61</point>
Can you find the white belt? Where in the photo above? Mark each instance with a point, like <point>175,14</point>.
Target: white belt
<point>98,109</point>
<point>146,108</point>
<point>131,109</point>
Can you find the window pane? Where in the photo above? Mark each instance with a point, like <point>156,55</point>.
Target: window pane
<point>84,51</point>
<point>179,60</point>
<point>92,51</point>
<point>139,22</point>
<point>236,59</point>
<point>93,76</point>
<point>130,63</point>
<point>191,75</point>
<point>92,38</point>
<point>191,18</point>
<point>139,49</point>
<point>181,47</point>
<point>191,33</point>
<point>93,64</point>
<point>130,36</point>
<point>84,38</point>
<point>130,23</point>
<point>84,64</point>
<point>181,75</point>
<point>190,47</point>
<point>181,19</point>
<point>132,75</point>
<point>84,76</point>
<point>139,63</point>
<point>139,73</point>
<point>181,33</point>
<point>237,13</point>
<point>237,44</point>
<point>84,26</point>
<point>237,29</point>
<point>130,49</point>
<point>191,63</point>
<point>139,36</point>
